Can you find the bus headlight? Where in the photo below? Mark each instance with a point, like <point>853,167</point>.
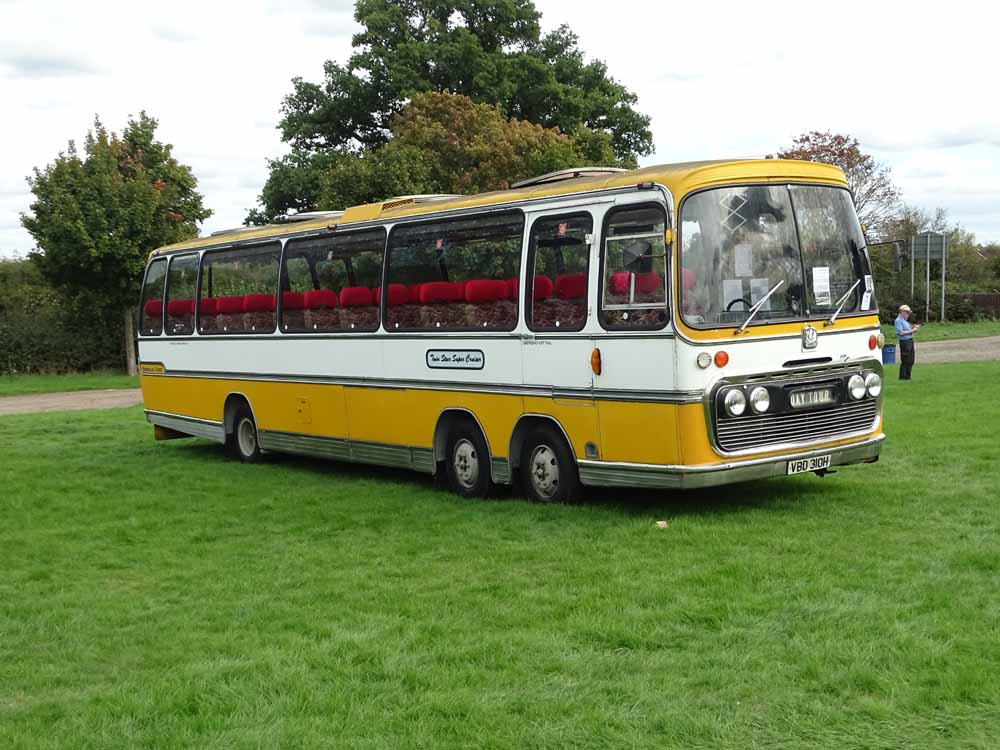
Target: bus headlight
<point>856,387</point>
<point>760,399</point>
<point>736,402</point>
<point>873,384</point>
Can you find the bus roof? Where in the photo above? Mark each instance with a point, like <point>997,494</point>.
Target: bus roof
<point>679,179</point>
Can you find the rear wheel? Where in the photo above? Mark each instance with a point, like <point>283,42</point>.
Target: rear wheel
<point>467,461</point>
<point>547,467</point>
<point>243,443</point>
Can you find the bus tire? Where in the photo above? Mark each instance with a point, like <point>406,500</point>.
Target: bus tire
<point>244,443</point>
<point>548,469</point>
<point>467,461</point>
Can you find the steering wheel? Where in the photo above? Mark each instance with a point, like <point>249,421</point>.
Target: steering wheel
<point>738,299</point>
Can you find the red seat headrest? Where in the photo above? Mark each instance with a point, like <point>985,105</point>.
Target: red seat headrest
<point>258,303</point>
<point>619,282</point>
<point>180,307</point>
<point>541,288</point>
<point>647,282</point>
<point>687,278</point>
<point>571,285</point>
<point>399,294</point>
<point>229,305</point>
<point>319,298</point>
<point>485,290</point>
<point>208,306</point>
<point>512,285</point>
<point>440,291</point>
<point>153,307</point>
<point>356,296</point>
<point>293,300</point>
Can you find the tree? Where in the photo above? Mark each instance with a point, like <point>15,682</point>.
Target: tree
<point>492,52</point>
<point>875,195</point>
<point>444,143</point>
<point>96,217</point>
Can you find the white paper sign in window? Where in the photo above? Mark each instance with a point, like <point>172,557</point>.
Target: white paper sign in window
<point>821,285</point>
<point>759,288</point>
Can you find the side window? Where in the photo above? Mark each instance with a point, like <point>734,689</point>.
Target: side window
<point>455,275</point>
<point>332,283</point>
<point>151,301</point>
<point>181,280</point>
<point>634,288</point>
<point>237,290</point>
<point>559,253</point>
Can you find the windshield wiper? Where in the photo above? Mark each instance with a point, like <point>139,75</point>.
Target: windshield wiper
<point>756,308</point>
<point>840,303</point>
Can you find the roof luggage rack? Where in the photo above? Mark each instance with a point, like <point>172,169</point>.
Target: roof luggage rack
<point>567,174</point>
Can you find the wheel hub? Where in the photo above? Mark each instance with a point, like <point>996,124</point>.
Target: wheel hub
<point>466,463</point>
<point>544,471</point>
<point>246,434</point>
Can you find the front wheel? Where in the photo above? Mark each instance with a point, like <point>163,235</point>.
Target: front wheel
<point>548,468</point>
<point>244,442</point>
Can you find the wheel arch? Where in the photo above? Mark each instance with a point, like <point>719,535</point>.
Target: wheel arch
<point>233,401</point>
<point>445,420</point>
<point>525,423</point>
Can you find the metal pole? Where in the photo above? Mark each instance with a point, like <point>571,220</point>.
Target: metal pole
<point>944,253</point>
<point>927,310</point>
<point>912,267</point>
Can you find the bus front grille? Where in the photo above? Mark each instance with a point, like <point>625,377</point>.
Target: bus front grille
<point>748,433</point>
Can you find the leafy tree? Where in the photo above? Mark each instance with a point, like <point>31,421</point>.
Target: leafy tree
<point>492,52</point>
<point>96,217</point>
<point>875,195</point>
<point>443,143</point>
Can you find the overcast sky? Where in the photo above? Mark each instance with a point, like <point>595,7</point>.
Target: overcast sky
<point>916,83</point>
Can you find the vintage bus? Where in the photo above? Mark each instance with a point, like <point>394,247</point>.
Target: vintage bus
<point>678,326</point>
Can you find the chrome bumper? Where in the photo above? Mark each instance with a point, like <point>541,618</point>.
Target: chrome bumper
<point>607,474</point>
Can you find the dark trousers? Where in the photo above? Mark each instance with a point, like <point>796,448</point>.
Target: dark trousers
<point>907,356</point>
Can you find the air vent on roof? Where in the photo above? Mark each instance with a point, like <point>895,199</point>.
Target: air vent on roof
<point>567,174</point>
<point>310,216</point>
<point>406,200</point>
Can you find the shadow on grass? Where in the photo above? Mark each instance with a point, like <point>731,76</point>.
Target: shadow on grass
<point>760,494</point>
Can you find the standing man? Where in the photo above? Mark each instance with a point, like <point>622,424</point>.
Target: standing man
<point>904,332</point>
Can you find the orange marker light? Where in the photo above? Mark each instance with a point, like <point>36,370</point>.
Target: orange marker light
<point>595,361</point>
<point>721,359</point>
<point>872,342</point>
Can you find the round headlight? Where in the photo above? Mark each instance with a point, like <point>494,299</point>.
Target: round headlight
<point>873,384</point>
<point>881,340</point>
<point>736,402</point>
<point>856,387</point>
<point>760,399</point>
<point>704,360</point>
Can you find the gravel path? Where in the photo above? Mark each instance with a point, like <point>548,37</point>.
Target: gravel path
<point>959,350</point>
<point>74,401</point>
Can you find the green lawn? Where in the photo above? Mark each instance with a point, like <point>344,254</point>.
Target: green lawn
<point>942,331</point>
<point>20,385</point>
<point>158,595</point>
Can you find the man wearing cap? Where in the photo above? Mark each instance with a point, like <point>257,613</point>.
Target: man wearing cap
<point>904,332</point>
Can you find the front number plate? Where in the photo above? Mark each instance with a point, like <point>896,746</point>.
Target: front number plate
<point>809,464</point>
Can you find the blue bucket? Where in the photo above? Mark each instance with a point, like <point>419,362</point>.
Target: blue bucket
<point>889,354</point>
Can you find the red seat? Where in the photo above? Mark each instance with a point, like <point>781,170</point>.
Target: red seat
<point>542,288</point>
<point>293,301</point>
<point>208,306</point>
<point>229,305</point>
<point>317,299</point>
<point>571,285</point>
<point>485,290</point>
<point>258,312</point>
<point>356,296</point>
<point>434,292</point>
<point>399,294</point>
<point>153,308</point>
<point>180,307</point>
<point>258,303</point>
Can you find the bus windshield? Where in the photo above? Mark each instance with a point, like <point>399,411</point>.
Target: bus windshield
<point>738,243</point>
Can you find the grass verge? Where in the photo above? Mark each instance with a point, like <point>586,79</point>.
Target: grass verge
<point>160,595</point>
<point>944,331</point>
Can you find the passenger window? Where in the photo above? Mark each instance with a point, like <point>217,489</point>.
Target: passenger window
<point>455,275</point>
<point>151,302</point>
<point>181,280</point>
<point>237,290</point>
<point>559,249</point>
<point>634,290</point>
<point>332,283</point>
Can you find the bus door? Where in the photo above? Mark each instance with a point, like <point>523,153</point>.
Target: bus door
<point>556,344</point>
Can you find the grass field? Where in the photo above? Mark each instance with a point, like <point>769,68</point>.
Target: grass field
<point>157,595</point>
<point>21,385</point>
<point>943,331</point>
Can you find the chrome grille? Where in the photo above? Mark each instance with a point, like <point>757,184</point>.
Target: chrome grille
<point>747,433</point>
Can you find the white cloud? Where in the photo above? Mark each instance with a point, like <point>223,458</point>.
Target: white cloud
<point>718,79</point>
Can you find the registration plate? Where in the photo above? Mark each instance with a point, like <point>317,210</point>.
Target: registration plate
<point>815,463</point>
<point>811,397</point>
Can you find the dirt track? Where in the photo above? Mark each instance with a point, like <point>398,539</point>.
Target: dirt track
<point>74,401</point>
<point>959,350</point>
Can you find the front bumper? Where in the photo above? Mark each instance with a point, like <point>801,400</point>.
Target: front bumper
<point>608,474</point>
